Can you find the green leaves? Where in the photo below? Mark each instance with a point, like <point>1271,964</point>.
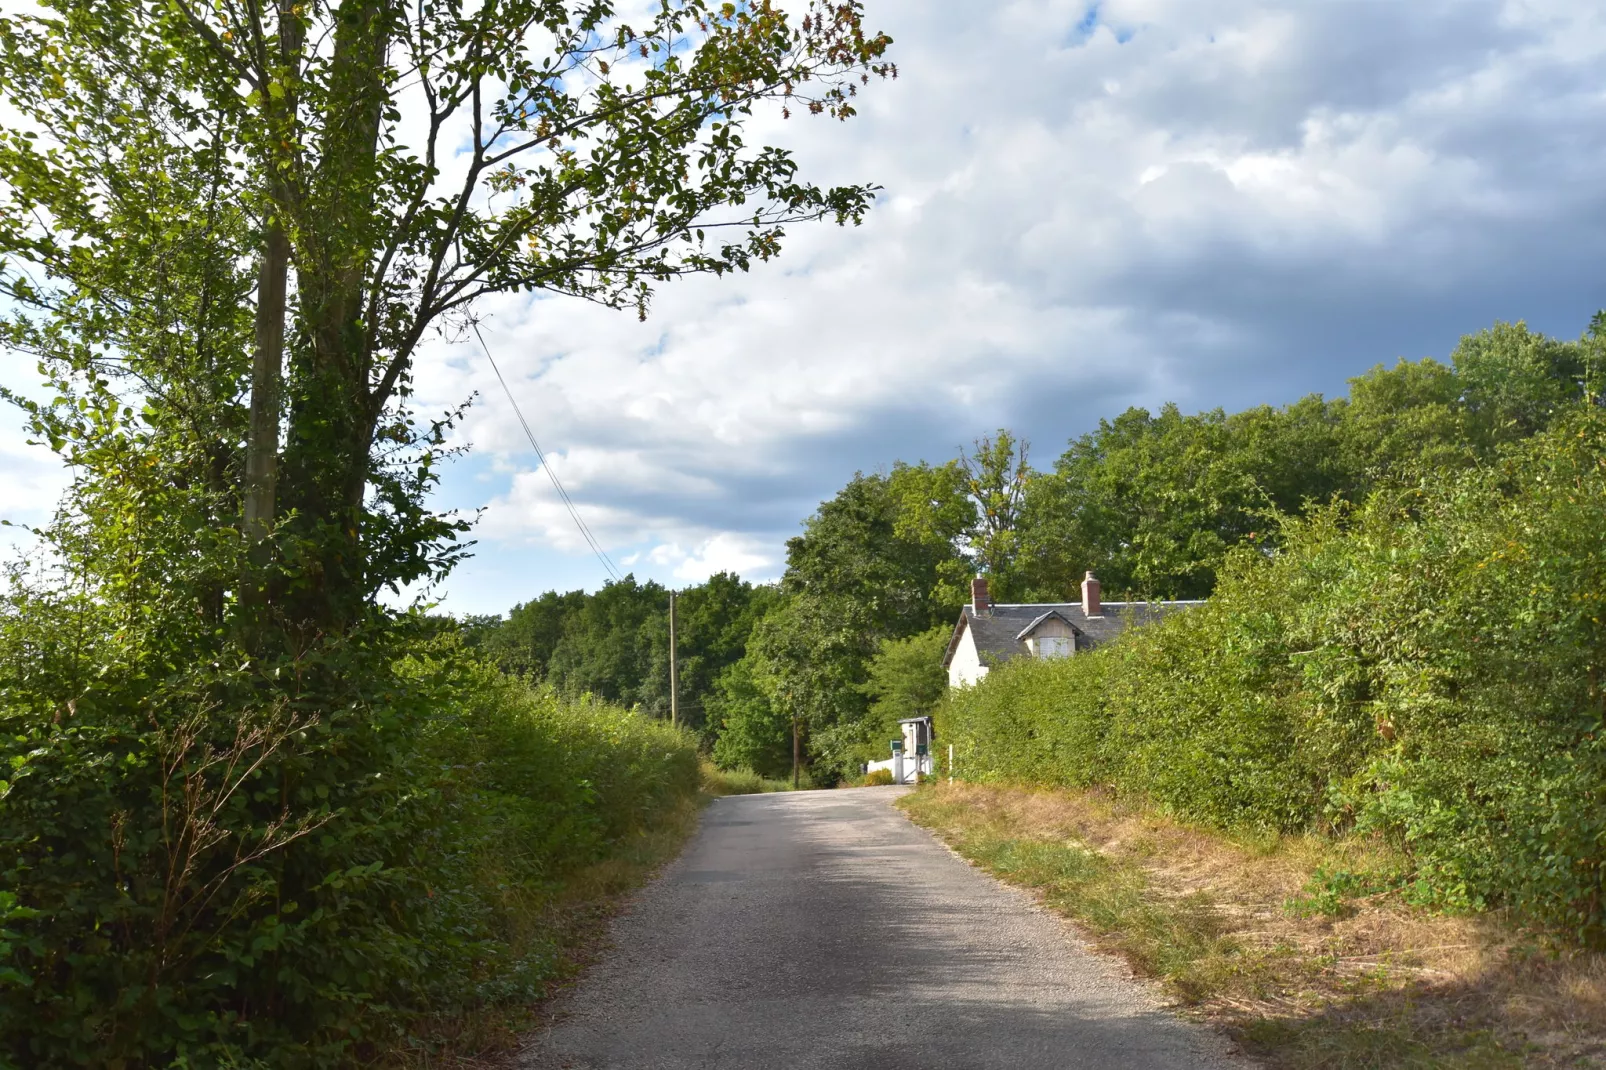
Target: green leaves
<point>1426,666</point>
<point>159,143</point>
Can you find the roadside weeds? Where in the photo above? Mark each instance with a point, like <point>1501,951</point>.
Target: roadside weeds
<point>1241,935</point>
<point>718,782</point>
<point>568,926</point>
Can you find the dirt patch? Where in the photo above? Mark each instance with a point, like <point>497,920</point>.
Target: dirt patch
<point>1301,975</point>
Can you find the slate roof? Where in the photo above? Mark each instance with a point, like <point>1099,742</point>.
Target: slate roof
<point>1001,632</point>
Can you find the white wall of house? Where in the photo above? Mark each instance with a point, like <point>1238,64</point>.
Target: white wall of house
<point>966,667</point>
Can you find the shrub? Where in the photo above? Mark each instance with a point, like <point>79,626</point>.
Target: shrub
<point>198,867</point>
<point>1429,666</point>
<point>718,781</point>
<point>878,778</point>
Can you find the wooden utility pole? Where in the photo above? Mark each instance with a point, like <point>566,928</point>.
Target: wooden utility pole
<point>674,672</point>
<point>797,750</point>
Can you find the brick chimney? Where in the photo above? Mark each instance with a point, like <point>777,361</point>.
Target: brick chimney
<point>1090,596</point>
<point>979,602</point>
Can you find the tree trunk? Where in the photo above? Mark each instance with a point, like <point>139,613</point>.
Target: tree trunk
<point>262,445</point>
<point>260,500</point>
<point>333,414</point>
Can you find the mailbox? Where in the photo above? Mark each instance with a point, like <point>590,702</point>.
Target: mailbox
<point>897,745</point>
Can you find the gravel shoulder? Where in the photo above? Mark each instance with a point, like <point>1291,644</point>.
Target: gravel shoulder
<point>824,930</point>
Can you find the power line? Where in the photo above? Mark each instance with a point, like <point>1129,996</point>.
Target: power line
<point>568,502</point>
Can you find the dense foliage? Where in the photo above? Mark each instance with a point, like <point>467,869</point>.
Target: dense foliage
<point>295,882</point>
<point>1428,665</point>
<point>1153,503</point>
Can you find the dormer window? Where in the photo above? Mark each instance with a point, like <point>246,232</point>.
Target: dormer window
<point>1054,646</point>
<point>1049,636</point>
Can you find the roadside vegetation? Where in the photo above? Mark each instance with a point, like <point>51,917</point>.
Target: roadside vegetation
<point>718,782</point>
<point>154,913</point>
<point>1354,806</point>
<point>1425,667</point>
<point>1285,940</point>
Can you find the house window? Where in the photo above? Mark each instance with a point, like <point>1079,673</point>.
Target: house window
<point>1054,646</point>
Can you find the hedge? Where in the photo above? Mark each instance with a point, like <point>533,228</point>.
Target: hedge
<point>1428,666</point>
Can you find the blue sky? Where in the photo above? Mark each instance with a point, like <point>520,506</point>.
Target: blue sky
<point>1216,202</point>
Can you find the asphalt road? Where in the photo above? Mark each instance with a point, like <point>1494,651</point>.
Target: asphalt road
<point>824,930</point>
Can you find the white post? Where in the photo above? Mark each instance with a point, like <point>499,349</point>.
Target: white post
<point>897,767</point>
<point>950,763</point>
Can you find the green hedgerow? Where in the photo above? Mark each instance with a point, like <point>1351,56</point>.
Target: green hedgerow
<point>1429,666</point>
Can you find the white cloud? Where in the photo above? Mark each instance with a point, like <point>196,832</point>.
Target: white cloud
<point>724,552</point>
<point>1213,201</point>
<point>1219,202</point>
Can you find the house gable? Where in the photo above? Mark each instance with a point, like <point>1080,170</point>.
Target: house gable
<point>963,659</point>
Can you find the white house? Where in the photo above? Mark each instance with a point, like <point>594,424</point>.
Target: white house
<point>988,633</point>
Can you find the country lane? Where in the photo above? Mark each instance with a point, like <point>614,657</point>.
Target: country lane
<point>822,929</point>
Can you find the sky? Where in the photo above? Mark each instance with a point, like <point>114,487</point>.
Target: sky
<point>1084,207</point>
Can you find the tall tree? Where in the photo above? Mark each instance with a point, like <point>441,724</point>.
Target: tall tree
<point>997,472</point>
<point>393,161</point>
<point>862,548</point>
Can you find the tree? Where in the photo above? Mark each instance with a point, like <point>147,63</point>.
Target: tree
<point>906,679</point>
<point>1402,420</point>
<point>862,548</point>
<point>614,645</point>
<point>934,510</point>
<point>1153,503</point>
<point>224,231</point>
<point>601,158</point>
<point>524,643</point>
<point>753,732</point>
<point>809,656</point>
<point>996,475</point>
<point>715,620</point>
<point>1515,382</point>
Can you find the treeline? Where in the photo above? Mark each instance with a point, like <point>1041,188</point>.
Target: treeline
<point>1157,503</point>
<point>615,643</point>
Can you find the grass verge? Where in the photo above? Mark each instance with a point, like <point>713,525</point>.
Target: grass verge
<point>1247,934</point>
<point>564,928</point>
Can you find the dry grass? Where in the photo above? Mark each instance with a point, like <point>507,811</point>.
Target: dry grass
<point>1302,980</point>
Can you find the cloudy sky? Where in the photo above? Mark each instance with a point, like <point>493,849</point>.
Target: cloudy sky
<point>1085,207</point>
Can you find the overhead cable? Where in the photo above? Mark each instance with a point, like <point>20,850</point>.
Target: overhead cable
<point>568,503</point>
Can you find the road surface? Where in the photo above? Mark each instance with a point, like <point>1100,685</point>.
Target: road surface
<point>823,930</point>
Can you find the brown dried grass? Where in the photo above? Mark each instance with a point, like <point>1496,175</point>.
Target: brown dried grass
<point>1376,983</point>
